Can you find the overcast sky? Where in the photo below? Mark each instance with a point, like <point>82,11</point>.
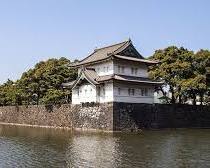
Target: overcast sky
<point>35,30</point>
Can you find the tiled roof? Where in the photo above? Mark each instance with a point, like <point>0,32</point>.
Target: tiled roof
<point>91,75</point>
<point>106,52</point>
<point>101,53</point>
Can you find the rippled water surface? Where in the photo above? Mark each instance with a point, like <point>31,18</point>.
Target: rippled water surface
<point>35,147</point>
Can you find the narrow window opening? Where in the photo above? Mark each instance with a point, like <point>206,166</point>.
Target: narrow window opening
<point>142,92</point>
<point>118,69</point>
<point>123,69</point>
<point>129,91</point>
<point>104,91</point>
<point>99,91</point>
<point>132,70</point>
<point>136,71</point>
<point>133,92</point>
<point>146,92</point>
<point>119,91</point>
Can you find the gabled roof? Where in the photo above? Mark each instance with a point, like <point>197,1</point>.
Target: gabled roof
<point>87,73</point>
<point>125,49</point>
<point>91,75</point>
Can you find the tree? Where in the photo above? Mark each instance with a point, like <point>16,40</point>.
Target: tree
<point>202,61</point>
<point>183,72</point>
<point>42,84</point>
<point>196,85</point>
<point>10,94</point>
<point>174,65</point>
<point>54,96</point>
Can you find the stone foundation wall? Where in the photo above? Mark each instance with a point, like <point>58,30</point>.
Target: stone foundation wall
<point>128,116</point>
<point>75,117</point>
<point>109,116</point>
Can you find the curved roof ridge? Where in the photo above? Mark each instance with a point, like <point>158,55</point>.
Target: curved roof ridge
<point>87,76</point>
<point>126,43</point>
<point>123,42</point>
<point>92,75</point>
<point>109,51</point>
<point>96,50</point>
<point>88,56</point>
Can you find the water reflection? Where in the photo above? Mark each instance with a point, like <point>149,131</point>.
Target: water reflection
<point>100,151</point>
<point>30,147</point>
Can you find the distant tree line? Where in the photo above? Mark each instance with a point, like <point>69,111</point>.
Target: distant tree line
<point>40,85</point>
<point>184,73</point>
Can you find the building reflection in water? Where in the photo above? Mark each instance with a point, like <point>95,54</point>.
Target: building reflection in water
<point>93,150</point>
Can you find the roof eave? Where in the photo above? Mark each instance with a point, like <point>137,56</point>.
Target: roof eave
<point>90,63</point>
<point>148,62</point>
<point>135,81</point>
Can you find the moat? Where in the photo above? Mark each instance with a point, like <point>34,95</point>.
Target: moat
<point>37,147</point>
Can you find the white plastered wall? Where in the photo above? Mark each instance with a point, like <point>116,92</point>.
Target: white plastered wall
<point>106,92</point>
<point>142,69</point>
<point>105,68</point>
<point>84,93</point>
<point>137,97</point>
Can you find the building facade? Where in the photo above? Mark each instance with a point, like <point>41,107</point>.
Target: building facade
<point>116,73</point>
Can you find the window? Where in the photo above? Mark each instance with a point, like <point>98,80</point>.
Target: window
<point>107,69</point>
<point>77,92</point>
<point>104,69</point>
<point>98,69</point>
<point>118,69</point>
<point>103,91</point>
<point>131,92</point>
<point>146,91</point>
<point>85,91</point>
<point>119,91</point>
<point>142,92</point>
<point>121,69</point>
<point>136,71</point>
<point>99,91</point>
<point>132,70</point>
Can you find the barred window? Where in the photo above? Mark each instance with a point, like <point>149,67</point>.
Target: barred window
<point>133,91</point>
